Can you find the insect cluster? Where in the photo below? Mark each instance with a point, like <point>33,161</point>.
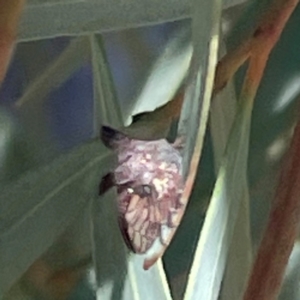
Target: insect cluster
<point>149,184</point>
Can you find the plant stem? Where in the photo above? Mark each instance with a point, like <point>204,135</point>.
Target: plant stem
<point>229,64</point>
<point>281,231</point>
<point>273,254</point>
<point>265,35</point>
<point>10,11</point>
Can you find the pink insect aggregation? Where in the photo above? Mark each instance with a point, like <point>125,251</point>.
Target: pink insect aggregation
<point>149,184</point>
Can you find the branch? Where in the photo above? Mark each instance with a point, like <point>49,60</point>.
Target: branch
<point>275,249</point>
<point>281,231</point>
<point>264,36</point>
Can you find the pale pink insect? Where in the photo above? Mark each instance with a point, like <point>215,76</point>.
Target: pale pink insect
<point>149,183</point>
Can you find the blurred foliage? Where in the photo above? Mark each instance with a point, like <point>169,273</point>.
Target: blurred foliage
<point>34,137</point>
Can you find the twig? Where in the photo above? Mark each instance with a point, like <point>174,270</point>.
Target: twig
<point>275,249</point>
<point>266,33</point>
<point>281,231</point>
<point>10,11</point>
<point>229,64</point>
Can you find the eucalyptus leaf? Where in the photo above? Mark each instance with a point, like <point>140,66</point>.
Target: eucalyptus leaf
<point>36,208</point>
<point>194,116</point>
<point>199,83</point>
<point>106,108</point>
<point>230,188</point>
<point>109,251</point>
<point>223,110</point>
<point>146,285</point>
<point>166,75</point>
<point>45,19</point>
<point>136,283</point>
<point>159,101</point>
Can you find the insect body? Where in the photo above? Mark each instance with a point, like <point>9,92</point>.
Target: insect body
<point>149,184</point>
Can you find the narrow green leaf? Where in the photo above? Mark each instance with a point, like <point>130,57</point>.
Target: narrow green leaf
<point>146,285</point>
<point>223,110</point>
<point>193,121</point>
<point>109,250</point>
<point>159,100</point>
<point>117,276</point>
<point>211,254</point>
<point>106,107</point>
<point>166,75</point>
<point>36,208</point>
<point>48,18</point>
<point>138,284</point>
